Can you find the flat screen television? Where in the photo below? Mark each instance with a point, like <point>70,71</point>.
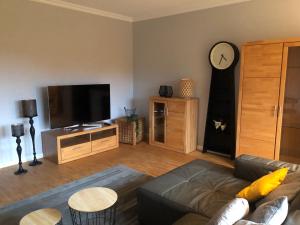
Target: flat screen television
<point>78,104</point>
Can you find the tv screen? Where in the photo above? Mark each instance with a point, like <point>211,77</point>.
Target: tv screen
<point>78,104</point>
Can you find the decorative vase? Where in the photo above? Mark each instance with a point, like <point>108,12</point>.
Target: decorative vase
<point>186,88</point>
<point>162,90</point>
<point>165,91</point>
<point>169,92</point>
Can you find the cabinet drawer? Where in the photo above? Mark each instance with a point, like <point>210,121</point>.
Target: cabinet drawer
<point>176,107</point>
<point>103,134</point>
<point>75,151</point>
<point>175,139</point>
<point>76,140</point>
<point>104,144</point>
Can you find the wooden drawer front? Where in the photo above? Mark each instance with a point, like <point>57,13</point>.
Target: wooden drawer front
<point>175,122</point>
<point>76,140</point>
<point>103,134</point>
<point>75,151</point>
<point>104,144</point>
<point>176,106</point>
<point>175,140</point>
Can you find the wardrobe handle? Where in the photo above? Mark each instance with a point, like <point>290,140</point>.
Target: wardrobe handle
<point>275,110</point>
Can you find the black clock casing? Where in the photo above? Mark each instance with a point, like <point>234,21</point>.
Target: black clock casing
<point>220,131</point>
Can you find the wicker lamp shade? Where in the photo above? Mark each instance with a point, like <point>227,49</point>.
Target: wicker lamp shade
<point>186,88</point>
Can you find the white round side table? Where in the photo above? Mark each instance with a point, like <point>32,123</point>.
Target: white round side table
<point>45,216</point>
<point>95,205</point>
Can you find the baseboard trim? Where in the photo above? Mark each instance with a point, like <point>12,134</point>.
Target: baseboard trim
<point>200,148</point>
<point>217,153</point>
<point>24,159</point>
<point>85,9</point>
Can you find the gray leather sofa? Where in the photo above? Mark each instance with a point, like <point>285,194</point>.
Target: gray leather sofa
<point>193,193</point>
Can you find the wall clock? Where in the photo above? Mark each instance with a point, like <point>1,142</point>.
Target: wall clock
<point>223,55</point>
<point>220,120</point>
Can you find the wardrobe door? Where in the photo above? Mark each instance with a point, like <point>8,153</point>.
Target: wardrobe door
<point>258,105</point>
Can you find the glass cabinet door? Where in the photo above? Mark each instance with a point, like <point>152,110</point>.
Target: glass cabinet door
<point>290,131</point>
<point>159,120</point>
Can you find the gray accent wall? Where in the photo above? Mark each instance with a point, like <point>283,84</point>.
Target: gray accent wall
<point>43,45</point>
<point>170,48</point>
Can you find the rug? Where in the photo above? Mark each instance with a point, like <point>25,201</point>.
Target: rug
<point>120,178</point>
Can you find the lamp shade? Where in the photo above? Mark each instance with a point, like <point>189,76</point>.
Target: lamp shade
<point>17,130</point>
<point>29,108</point>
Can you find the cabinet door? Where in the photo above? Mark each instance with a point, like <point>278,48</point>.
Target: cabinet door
<point>175,125</point>
<point>259,100</point>
<point>158,122</point>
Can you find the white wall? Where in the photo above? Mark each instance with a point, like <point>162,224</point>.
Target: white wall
<point>42,45</point>
<point>170,48</point>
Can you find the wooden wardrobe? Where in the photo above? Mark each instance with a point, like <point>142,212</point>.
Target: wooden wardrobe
<point>265,68</point>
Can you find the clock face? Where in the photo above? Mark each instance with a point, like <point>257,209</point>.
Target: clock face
<point>222,56</point>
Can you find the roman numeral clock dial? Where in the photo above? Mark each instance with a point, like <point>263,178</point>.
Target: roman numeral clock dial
<point>220,120</point>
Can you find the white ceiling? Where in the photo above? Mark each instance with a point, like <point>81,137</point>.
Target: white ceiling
<point>136,10</point>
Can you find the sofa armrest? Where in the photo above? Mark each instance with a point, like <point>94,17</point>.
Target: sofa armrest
<point>252,167</point>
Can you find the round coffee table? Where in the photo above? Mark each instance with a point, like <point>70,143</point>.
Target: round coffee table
<point>95,205</point>
<point>42,217</point>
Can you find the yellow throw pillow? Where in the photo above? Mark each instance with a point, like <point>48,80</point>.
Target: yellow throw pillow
<point>263,186</point>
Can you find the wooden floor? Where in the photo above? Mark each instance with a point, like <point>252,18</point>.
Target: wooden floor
<point>143,157</point>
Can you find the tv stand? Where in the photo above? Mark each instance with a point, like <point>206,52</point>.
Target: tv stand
<point>65,145</point>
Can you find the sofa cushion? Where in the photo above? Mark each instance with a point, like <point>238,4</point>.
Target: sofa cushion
<point>264,185</point>
<point>271,213</point>
<point>201,186</point>
<point>293,218</point>
<point>232,212</point>
<point>192,219</point>
<point>251,167</point>
<point>289,187</point>
<point>295,204</point>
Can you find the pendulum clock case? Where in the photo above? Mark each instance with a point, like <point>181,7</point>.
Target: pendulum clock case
<point>220,131</point>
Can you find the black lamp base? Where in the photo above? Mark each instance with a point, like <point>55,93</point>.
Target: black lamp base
<point>20,171</point>
<point>35,162</point>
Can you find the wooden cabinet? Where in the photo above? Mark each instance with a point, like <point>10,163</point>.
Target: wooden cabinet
<point>63,146</point>
<point>173,123</point>
<point>261,97</point>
